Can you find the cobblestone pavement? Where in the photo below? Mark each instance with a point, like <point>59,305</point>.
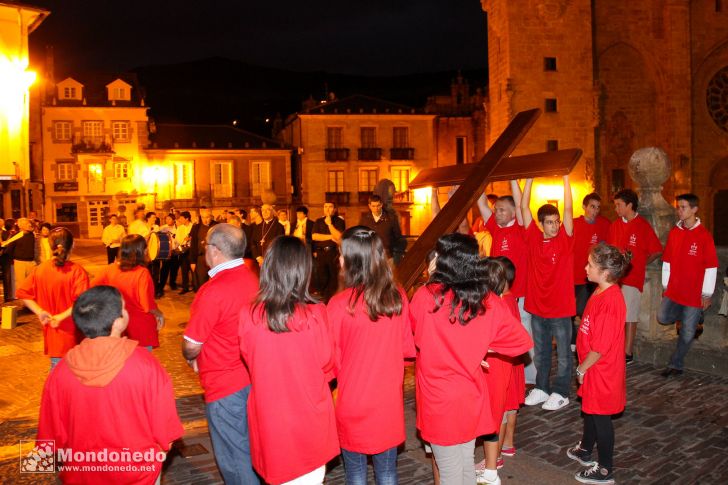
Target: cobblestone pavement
<point>674,429</point>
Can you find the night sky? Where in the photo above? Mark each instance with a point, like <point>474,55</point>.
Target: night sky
<point>371,37</point>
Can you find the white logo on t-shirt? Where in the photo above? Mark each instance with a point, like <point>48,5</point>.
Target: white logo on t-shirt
<point>504,245</point>
<point>584,326</point>
<point>633,240</point>
<point>693,249</point>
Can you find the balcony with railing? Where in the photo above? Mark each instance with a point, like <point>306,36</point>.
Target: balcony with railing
<point>401,153</point>
<point>337,154</point>
<point>338,198</point>
<point>92,144</point>
<point>370,154</point>
<point>405,197</point>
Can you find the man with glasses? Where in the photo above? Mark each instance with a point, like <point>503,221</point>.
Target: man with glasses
<point>550,295</point>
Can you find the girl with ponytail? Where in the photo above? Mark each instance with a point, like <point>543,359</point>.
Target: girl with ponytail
<point>50,291</point>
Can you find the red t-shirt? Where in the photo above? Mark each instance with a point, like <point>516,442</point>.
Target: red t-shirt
<point>137,288</point>
<point>550,285</point>
<point>214,321</point>
<point>135,412</point>
<point>690,252</point>
<point>602,330</point>
<point>369,370</point>
<point>510,241</point>
<point>516,394</point>
<point>55,288</point>
<point>638,237</point>
<point>453,402</point>
<point>290,408</point>
<point>586,236</point>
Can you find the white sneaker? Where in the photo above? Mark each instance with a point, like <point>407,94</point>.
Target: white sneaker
<point>573,348</point>
<point>536,396</point>
<point>555,401</point>
<point>481,480</point>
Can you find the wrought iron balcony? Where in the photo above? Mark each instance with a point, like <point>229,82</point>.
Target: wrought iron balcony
<point>401,153</point>
<point>405,197</point>
<point>337,154</point>
<point>370,154</point>
<point>338,198</point>
<point>92,145</point>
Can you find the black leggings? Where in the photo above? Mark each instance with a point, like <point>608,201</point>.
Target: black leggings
<point>598,429</point>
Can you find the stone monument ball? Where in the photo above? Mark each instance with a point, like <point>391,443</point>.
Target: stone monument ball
<point>649,167</point>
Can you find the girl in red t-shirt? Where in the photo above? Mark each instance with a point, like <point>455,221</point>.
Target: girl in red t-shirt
<point>131,277</point>
<point>372,334</point>
<point>286,344</point>
<point>602,370</point>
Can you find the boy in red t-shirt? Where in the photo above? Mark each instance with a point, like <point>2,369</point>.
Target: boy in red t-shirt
<point>550,295</point>
<point>601,371</point>
<point>689,270</point>
<point>631,232</point>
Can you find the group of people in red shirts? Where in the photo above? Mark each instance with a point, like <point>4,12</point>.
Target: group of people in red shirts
<point>266,351</point>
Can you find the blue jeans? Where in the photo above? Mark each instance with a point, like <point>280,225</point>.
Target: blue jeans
<point>227,419</point>
<point>385,467</point>
<point>669,313</point>
<point>544,329</point>
<point>55,361</point>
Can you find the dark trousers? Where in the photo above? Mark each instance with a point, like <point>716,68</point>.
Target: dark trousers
<point>200,276</point>
<point>582,293</point>
<point>184,268</point>
<point>599,429</point>
<point>111,254</point>
<point>168,271</point>
<point>154,268</point>
<point>327,272</point>
<point>7,268</point>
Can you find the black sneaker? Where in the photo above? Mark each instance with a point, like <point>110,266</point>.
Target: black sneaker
<point>629,358</point>
<point>595,474</point>
<point>581,455</point>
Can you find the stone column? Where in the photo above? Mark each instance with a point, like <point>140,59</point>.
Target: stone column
<point>650,168</point>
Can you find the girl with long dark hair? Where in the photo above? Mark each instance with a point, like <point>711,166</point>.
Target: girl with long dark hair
<point>129,275</point>
<point>457,319</point>
<point>372,336</point>
<point>49,292</point>
<point>285,342</point>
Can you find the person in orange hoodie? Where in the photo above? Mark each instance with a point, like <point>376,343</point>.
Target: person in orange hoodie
<point>109,405</point>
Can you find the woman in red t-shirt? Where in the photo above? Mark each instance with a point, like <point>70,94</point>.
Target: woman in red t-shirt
<point>131,277</point>
<point>372,334</point>
<point>49,292</point>
<point>602,369</point>
<point>457,319</point>
<point>285,342</point>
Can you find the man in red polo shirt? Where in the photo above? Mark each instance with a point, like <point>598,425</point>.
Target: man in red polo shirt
<point>505,225</point>
<point>631,232</point>
<point>550,296</point>
<point>589,230</point>
<point>689,270</point>
<point>211,347</point>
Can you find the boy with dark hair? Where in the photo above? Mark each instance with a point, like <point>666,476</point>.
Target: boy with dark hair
<point>109,396</point>
<point>379,220</point>
<point>689,271</point>
<point>631,232</point>
<point>550,296</point>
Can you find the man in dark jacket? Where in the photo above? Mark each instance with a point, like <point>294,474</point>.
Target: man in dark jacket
<point>383,223</point>
<point>196,254</point>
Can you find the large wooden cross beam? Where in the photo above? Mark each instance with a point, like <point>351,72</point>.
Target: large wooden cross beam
<point>472,179</point>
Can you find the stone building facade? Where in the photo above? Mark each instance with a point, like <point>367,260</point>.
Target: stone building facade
<point>614,76</point>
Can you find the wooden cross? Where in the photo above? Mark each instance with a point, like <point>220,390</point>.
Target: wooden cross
<point>472,179</point>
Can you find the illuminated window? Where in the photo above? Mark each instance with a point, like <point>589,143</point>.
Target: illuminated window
<point>259,178</point>
<point>119,93</point>
<point>120,130</point>
<point>183,188</point>
<point>336,181</point>
<point>333,137</point>
<point>65,171</point>
<point>400,177</point>
<point>62,131</point>
<point>368,137</point>
<point>69,93</point>
<point>222,179</point>
<point>95,177</point>
<point>400,137</point>
<point>368,178</point>
<point>93,131</point>
<point>121,170</point>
